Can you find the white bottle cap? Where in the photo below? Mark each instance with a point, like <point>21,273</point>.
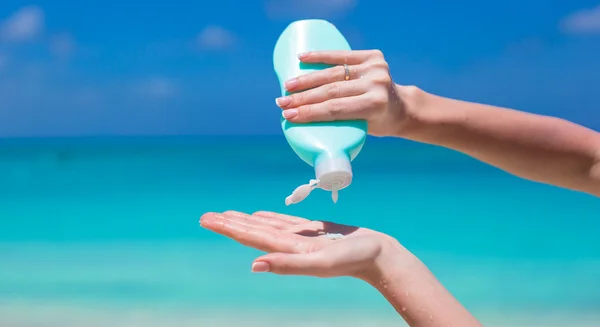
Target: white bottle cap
<point>301,192</point>
<point>333,174</point>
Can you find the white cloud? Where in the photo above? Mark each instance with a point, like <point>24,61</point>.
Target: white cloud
<point>62,45</point>
<point>216,38</point>
<point>25,24</point>
<point>157,87</point>
<point>586,21</point>
<point>293,9</point>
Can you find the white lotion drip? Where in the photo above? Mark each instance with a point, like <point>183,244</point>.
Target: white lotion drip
<point>334,194</point>
<point>334,236</point>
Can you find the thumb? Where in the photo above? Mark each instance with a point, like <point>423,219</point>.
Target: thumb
<point>307,264</point>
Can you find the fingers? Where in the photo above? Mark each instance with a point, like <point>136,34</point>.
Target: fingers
<point>326,96</point>
<point>295,225</point>
<point>308,264</point>
<point>323,93</point>
<point>322,77</point>
<point>349,57</point>
<point>358,62</point>
<point>280,216</point>
<point>348,108</point>
<point>258,221</point>
<point>258,237</point>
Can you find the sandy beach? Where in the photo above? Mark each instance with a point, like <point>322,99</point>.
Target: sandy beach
<point>49,315</point>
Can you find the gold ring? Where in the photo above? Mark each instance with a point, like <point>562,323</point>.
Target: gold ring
<point>347,77</point>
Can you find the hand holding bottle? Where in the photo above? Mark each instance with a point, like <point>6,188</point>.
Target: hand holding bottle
<point>535,147</point>
<point>359,86</point>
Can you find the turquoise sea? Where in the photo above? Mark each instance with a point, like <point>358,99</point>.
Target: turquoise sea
<point>104,232</point>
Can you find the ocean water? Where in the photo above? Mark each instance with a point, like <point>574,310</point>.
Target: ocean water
<point>104,232</point>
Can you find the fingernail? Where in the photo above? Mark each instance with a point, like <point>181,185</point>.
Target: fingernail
<point>283,101</point>
<point>290,113</point>
<point>261,266</point>
<point>303,55</point>
<point>291,84</point>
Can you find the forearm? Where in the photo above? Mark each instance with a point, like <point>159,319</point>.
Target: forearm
<point>416,294</point>
<point>540,148</point>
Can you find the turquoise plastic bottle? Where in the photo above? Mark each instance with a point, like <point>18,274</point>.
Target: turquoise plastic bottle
<point>327,146</point>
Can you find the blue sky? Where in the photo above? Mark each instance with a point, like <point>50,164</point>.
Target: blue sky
<point>204,67</point>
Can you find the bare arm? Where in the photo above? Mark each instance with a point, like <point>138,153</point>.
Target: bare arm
<point>414,292</point>
<point>539,148</point>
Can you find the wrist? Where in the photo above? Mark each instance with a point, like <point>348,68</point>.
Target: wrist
<point>413,100</point>
<point>393,262</point>
<point>426,117</point>
<point>413,291</point>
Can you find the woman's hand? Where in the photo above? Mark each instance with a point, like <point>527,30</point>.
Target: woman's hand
<point>298,246</point>
<point>368,92</point>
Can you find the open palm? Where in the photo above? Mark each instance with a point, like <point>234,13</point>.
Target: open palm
<point>299,246</point>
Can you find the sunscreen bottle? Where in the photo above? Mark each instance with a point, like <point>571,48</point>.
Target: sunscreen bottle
<point>327,146</point>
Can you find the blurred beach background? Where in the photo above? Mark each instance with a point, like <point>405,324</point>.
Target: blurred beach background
<point>121,124</point>
<point>105,233</point>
